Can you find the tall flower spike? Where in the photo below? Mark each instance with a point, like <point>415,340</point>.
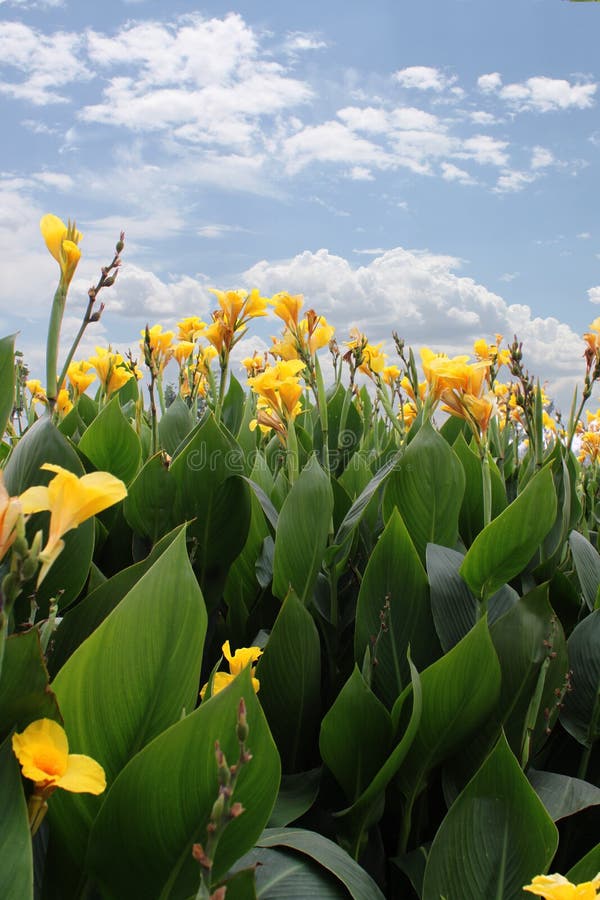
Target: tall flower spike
<point>62,242</point>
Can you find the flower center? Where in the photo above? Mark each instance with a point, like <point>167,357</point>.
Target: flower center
<point>49,762</point>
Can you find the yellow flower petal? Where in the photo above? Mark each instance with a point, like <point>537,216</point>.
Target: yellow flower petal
<point>83,775</point>
<point>42,750</point>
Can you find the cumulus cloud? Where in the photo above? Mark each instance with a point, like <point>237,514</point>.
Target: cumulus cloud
<point>541,157</point>
<point>490,82</point>
<point>45,63</point>
<point>543,94</point>
<point>450,172</point>
<point>594,294</point>
<point>421,296</point>
<point>424,78</point>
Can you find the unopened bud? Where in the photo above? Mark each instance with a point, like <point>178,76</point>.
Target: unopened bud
<point>20,546</point>
<point>30,567</point>
<point>242,723</point>
<point>110,281</point>
<point>236,810</point>
<point>218,809</point>
<point>120,243</point>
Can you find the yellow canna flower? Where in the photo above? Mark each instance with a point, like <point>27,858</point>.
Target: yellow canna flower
<point>112,370</point>
<point>182,351</point>
<point>43,752</point>
<point>10,511</point>
<point>255,364</point>
<point>36,389</point>
<point>391,374</point>
<point>62,240</point>
<point>557,887</point>
<point>242,658</point>
<point>80,376</point>
<point>70,500</point>
<point>190,328</point>
<point>287,307</point>
<point>160,345</point>
<point>63,403</point>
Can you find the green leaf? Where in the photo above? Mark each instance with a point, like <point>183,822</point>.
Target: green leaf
<point>395,575</point>
<point>242,587</point>
<point>459,692</point>
<point>148,507</point>
<point>174,780</point>
<point>366,810</point>
<point>471,511</point>
<point>137,672</point>
<point>355,736</point>
<point>455,609</point>
<point>509,836</point>
<point>587,867</point>
<point>503,549</point>
<point>284,874</point>
<point>24,692</point>
<point>562,795</point>
<point>297,793</point>
<point>233,405</point>
<point>581,713</point>
<point>175,425</point>
<point>587,566</point>
<point>16,870</point>
<point>361,504</point>
<point>289,672</point>
<point>302,533</point>
<point>427,488</point>
<point>7,379</point>
<point>358,883</point>
<point>111,444</point>
<point>530,645</point>
<point>80,621</point>
<point>43,443</point>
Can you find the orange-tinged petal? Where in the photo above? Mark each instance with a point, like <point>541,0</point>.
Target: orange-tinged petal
<point>42,750</point>
<point>83,775</point>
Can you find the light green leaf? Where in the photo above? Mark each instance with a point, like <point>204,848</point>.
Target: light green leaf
<point>111,444</point>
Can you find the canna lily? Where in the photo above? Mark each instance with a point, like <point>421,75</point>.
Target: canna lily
<point>111,368</point>
<point>80,376</point>
<point>287,307</point>
<point>557,887</point>
<point>161,345</point>
<point>190,328</point>
<point>242,658</point>
<point>62,240</point>
<point>36,389</point>
<point>43,752</point>
<point>63,403</point>
<point>70,500</point>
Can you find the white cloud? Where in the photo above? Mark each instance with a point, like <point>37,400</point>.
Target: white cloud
<point>513,180</point>
<point>144,296</point>
<point>594,294</point>
<point>332,142</point>
<point>490,82</point>
<point>58,180</point>
<point>361,173</point>
<point>485,150</point>
<point>420,296</point>
<point>541,157</point>
<point>480,117</point>
<point>583,235</point>
<point>301,41</point>
<point>450,172</point>
<point>48,63</point>
<point>509,276</point>
<point>217,231</point>
<point>544,94</point>
<point>424,78</point>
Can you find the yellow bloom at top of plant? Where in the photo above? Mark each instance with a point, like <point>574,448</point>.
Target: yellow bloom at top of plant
<point>368,358</point>
<point>10,510</point>
<point>557,887</point>
<point>161,345</point>
<point>182,352</point>
<point>43,752</point>
<point>71,500</point>
<point>254,364</point>
<point>64,404</point>
<point>80,375</point>
<point>245,656</point>
<point>287,307</point>
<point>112,370</point>
<point>62,240</point>
<point>190,328</point>
<point>36,389</point>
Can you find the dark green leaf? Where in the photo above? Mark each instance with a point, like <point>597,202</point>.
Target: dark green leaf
<point>297,793</point>
<point>587,565</point>
<point>7,379</point>
<point>581,714</point>
<point>24,692</point>
<point>562,795</point>
<point>16,871</point>
<point>175,425</point>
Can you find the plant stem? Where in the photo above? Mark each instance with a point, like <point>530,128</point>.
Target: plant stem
<point>56,316</point>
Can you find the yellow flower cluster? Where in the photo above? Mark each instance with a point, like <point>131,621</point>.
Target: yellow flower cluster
<point>557,887</point>
<point>279,390</point>
<point>245,656</point>
<point>460,386</point>
<point>301,338</point>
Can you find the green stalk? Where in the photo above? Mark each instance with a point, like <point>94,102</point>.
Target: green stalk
<point>161,394</point>
<point>52,344</point>
<point>292,452</point>
<point>221,394</point>
<point>87,318</point>
<point>322,403</point>
<point>486,478</point>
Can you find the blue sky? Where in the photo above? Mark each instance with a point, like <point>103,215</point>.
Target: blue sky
<point>429,168</point>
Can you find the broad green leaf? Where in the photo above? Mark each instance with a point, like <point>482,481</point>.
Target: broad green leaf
<point>355,736</point>
<point>24,692</point>
<point>356,880</point>
<point>16,869</point>
<point>233,405</point>
<point>366,809</point>
<point>581,713</point>
<point>138,671</point>
<point>471,511</point>
<point>290,684</point>
<point>175,425</point>
<point>427,488</point>
<point>454,608</point>
<point>343,438</point>
<point>174,781</point>
<point>43,443</point>
<point>503,549</point>
<point>7,379</point>
<point>302,532</point>
<point>530,645</point>
<point>502,825</point>
<point>587,566</point>
<point>587,867</point>
<point>148,507</point>
<point>242,587</point>
<point>111,444</point>
<point>459,692</point>
<point>80,621</point>
<point>297,793</point>
<point>394,575</point>
<point>285,875</point>
<point>208,487</point>
<point>562,795</point>
<point>87,409</point>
